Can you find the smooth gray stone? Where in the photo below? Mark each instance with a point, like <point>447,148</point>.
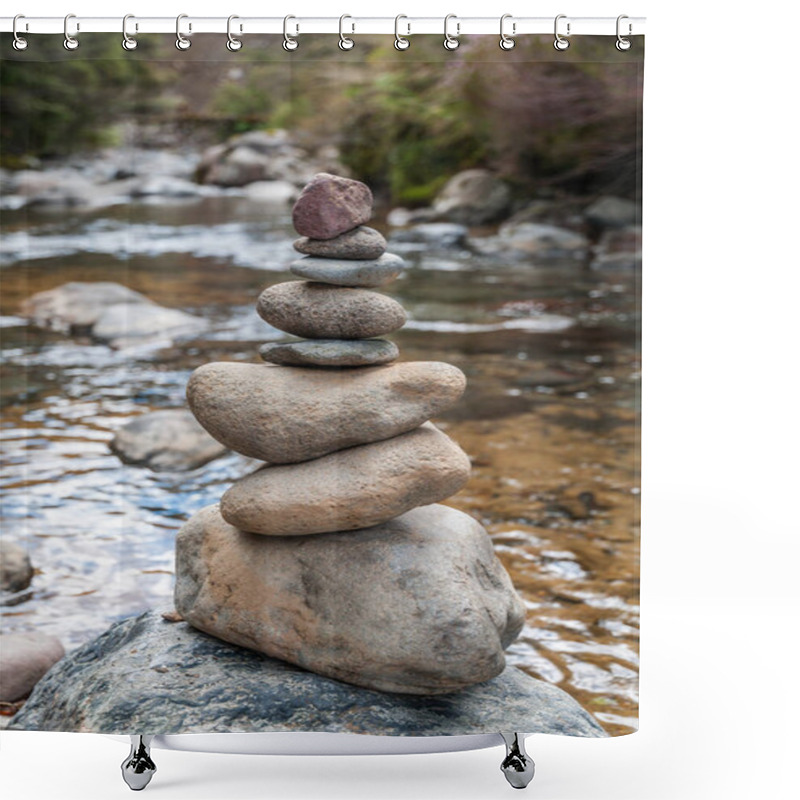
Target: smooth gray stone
<point>16,571</point>
<point>360,243</point>
<point>377,272</point>
<point>24,659</point>
<point>319,311</point>
<point>146,674</point>
<point>330,352</point>
<point>170,439</point>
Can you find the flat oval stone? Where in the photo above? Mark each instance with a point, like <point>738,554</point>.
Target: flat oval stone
<point>361,242</point>
<point>318,311</point>
<point>330,352</point>
<point>331,205</point>
<point>353,488</point>
<point>288,414</point>
<point>417,605</point>
<point>376,272</point>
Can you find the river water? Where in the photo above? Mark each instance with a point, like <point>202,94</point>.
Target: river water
<point>550,421</point>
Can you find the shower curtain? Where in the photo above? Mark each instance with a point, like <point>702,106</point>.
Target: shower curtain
<point>320,386</point>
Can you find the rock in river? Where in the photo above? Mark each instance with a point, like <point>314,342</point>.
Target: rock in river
<point>374,272</point>
<point>170,439</point>
<point>417,605</point>
<point>330,205</point>
<point>318,311</point>
<point>288,414</point>
<point>24,659</point>
<point>354,488</point>
<point>16,571</point>
<point>145,674</point>
<point>360,243</point>
<point>330,352</point>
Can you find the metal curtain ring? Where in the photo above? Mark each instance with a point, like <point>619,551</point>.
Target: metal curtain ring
<point>560,43</point>
<point>289,42</point>
<point>181,42</point>
<point>622,43</point>
<point>19,43</point>
<point>345,43</point>
<point>233,44</point>
<point>70,42</point>
<point>400,42</point>
<point>451,42</point>
<point>128,42</point>
<point>506,41</point>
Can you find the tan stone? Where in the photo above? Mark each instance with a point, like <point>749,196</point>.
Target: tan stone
<point>417,605</point>
<point>354,488</point>
<point>287,414</point>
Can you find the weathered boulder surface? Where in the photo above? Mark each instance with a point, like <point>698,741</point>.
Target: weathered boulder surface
<point>287,414</point>
<point>16,570</point>
<point>354,488</point>
<point>146,674</point>
<point>319,311</point>
<point>330,205</point>
<point>24,659</point>
<point>170,439</point>
<point>330,352</point>
<point>417,605</point>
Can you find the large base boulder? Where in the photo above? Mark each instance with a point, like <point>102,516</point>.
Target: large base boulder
<point>419,604</point>
<point>146,674</point>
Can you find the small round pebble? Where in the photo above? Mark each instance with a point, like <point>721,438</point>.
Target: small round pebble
<point>360,243</point>
<point>330,352</point>
<point>377,272</point>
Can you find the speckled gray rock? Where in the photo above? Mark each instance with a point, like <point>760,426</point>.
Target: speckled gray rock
<point>354,488</point>
<point>318,311</point>
<point>330,352</point>
<point>417,605</point>
<point>171,439</point>
<point>362,242</point>
<point>24,659</point>
<point>16,570</point>
<point>171,678</point>
<point>330,205</point>
<point>376,272</point>
<point>288,414</point>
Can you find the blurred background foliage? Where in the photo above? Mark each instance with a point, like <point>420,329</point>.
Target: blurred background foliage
<point>404,122</point>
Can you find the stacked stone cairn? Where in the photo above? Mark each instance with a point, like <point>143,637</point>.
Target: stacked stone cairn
<point>336,555</point>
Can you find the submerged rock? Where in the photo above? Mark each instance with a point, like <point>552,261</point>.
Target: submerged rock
<point>24,660</point>
<point>354,488</point>
<point>318,311</point>
<point>330,352</point>
<point>171,439</point>
<point>16,570</point>
<point>147,674</point>
<point>289,414</point>
<point>417,605</point>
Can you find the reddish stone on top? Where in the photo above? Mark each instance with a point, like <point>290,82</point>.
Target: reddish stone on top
<point>329,206</point>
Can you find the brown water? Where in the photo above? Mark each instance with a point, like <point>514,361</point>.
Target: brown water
<point>550,420</point>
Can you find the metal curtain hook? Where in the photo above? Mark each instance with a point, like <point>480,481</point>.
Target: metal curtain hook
<point>19,43</point>
<point>345,43</point>
<point>128,42</point>
<point>506,41</point>
<point>289,42</point>
<point>233,44</point>
<point>181,42</point>
<point>622,43</point>
<point>451,42</point>
<point>400,42</point>
<point>560,42</point>
<point>70,42</point>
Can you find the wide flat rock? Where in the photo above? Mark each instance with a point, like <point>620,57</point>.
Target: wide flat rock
<point>368,273</point>
<point>361,242</point>
<point>330,352</point>
<point>417,605</point>
<point>146,674</point>
<point>350,489</point>
<point>287,414</point>
<point>320,311</point>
